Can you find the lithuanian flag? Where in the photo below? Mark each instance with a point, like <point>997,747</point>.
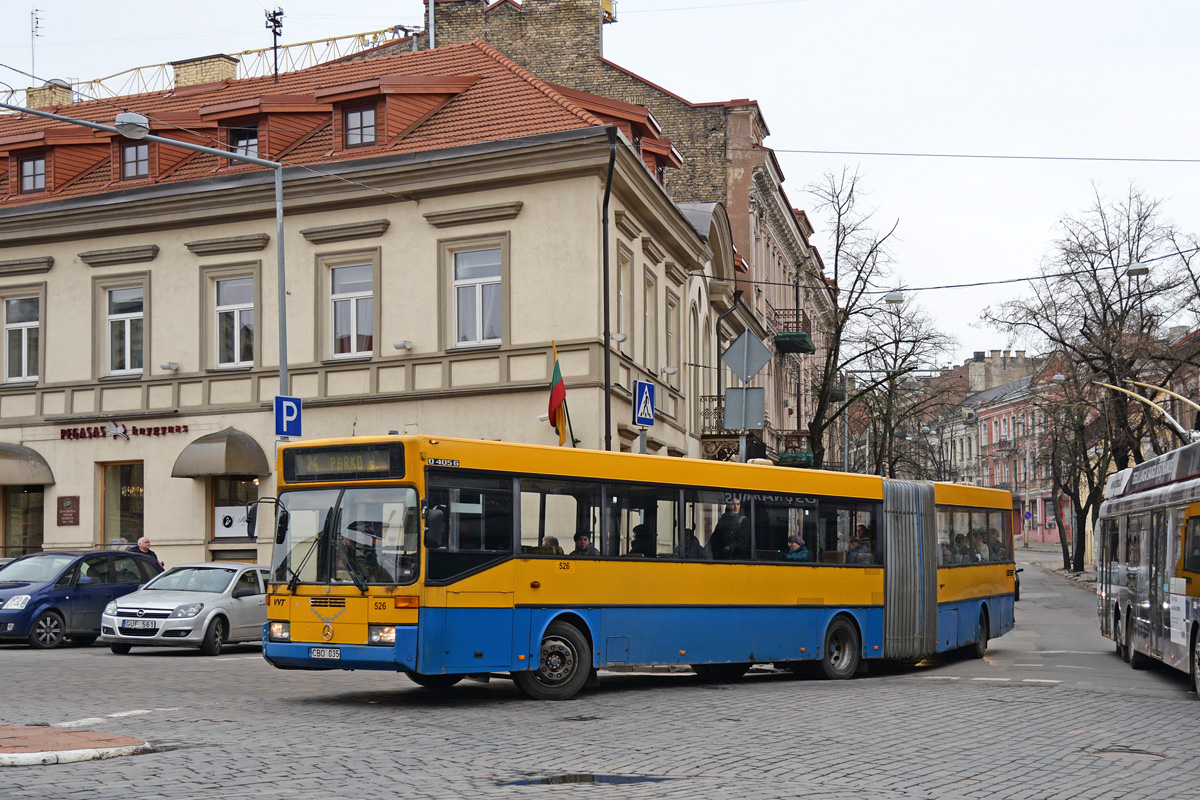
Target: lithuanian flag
<point>558,401</point>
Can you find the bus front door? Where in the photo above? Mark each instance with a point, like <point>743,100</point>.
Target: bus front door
<point>1158,583</point>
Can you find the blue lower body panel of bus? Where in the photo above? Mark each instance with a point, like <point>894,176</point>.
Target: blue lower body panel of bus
<point>958,622</point>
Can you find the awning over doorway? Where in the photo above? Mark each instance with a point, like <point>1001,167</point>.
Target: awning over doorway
<point>227,452</point>
<point>21,466</point>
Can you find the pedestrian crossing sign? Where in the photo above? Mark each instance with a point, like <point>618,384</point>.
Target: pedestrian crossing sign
<point>643,403</point>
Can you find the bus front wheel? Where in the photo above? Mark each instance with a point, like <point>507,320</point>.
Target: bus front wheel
<point>840,655</point>
<point>979,649</point>
<point>563,667</point>
<point>1137,660</point>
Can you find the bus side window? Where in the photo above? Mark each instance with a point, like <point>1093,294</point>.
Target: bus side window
<point>1191,560</point>
<point>643,521</point>
<point>559,509</point>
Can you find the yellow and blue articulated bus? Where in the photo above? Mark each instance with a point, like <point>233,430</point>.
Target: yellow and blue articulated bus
<point>444,558</point>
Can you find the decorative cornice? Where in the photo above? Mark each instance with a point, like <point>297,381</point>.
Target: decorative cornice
<point>676,273</point>
<point>466,216</point>
<point>26,266</point>
<point>651,251</point>
<point>351,230</point>
<point>229,244</point>
<point>625,225</point>
<point>120,255</point>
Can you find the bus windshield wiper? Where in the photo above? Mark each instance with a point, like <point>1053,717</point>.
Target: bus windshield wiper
<point>353,570</point>
<point>320,537</point>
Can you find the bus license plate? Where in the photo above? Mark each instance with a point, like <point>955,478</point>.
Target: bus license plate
<point>143,624</point>
<point>334,653</point>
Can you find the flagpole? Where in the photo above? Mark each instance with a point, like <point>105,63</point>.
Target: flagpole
<point>570,427</point>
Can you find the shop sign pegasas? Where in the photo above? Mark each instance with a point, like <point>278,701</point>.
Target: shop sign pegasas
<point>119,430</point>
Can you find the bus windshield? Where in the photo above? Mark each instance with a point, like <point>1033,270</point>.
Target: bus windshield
<point>351,536</point>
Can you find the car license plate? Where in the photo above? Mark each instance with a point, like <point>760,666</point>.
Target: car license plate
<point>145,624</point>
<point>334,653</point>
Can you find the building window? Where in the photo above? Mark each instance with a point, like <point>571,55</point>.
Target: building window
<point>673,340</point>
<point>230,496</point>
<point>135,161</point>
<point>22,338</point>
<point>650,324</point>
<point>353,314</point>
<point>125,329</point>
<point>244,140</point>
<point>477,296</point>
<point>33,175</point>
<point>22,520</point>
<point>625,301</point>
<point>124,503</point>
<point>360,127</point>
<point>235,322</point>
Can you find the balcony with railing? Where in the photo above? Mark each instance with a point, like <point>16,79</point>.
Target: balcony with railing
<point>721,443</point>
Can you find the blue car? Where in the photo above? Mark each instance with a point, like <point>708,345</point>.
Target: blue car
<point>46,598</point>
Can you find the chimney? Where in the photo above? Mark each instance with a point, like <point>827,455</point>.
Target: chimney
<point>55,92</point>
<point>206,69</point>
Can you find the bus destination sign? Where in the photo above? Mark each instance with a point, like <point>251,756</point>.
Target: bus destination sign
<point>350,463</point>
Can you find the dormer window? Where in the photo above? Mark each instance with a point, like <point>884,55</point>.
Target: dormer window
<point>33,175</point>
<point>135,161</point>
<point>244,140</point>
<point>360,127</point>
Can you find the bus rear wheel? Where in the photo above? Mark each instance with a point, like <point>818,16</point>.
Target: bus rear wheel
<point>434,681</point>
<point>839,657</point>
<point>563,667</point>
<point>979,649</point>
<point>1196,663</point>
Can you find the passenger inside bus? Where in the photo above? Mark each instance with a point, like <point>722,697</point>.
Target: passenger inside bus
<point>690,547</point>
<point>643,542</point>
<point>584,546</point>
<point>796,550</point>
<point>730,540</point>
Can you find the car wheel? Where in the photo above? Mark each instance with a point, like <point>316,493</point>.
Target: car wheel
<point>435,681</point>
<point>47,631</point>
<point>979,649</point>
<point>83,641</point>
<point>119,649</point>
<point>839,657</point>
<point>564,666</point>
<point>214,637</point>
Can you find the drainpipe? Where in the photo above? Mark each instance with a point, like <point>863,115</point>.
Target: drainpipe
<point>612,160</point>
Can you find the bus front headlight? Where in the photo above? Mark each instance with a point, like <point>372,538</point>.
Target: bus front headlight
<point>280,632</point>
<point>381,634</point>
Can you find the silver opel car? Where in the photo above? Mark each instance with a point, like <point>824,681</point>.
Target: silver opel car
<point>194,605</point>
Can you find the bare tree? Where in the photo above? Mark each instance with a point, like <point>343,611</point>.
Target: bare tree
<point>1104,325</point>
<point>859,261</point>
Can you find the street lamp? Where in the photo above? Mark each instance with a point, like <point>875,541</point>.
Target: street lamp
<point>136,126</point>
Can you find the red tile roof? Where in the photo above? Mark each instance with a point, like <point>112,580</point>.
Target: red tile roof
<point>504,102</point>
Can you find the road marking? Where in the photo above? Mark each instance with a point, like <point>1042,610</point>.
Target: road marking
<point>1029,665</point>
<point>938,677</point>
<point>134,713</point>
<point>994,680</point>
<point>1070,652</point>
<point>1038,680</point>
<point>1068,666</point>
<point>79,723</point>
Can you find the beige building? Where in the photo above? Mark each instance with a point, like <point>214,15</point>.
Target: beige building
<point>443,226</point>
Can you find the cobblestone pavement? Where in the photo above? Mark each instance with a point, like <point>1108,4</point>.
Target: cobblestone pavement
<point>1050,713</point>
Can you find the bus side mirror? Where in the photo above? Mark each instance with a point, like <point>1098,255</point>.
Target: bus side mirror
<point>281,526</point>
<point>252,519</point>
<point>435,528</point>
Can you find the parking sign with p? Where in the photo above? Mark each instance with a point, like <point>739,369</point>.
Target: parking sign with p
<point>287,416</point>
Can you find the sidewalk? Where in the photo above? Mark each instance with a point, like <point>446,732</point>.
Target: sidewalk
<point>1048,557</point>
<point>30,745</point>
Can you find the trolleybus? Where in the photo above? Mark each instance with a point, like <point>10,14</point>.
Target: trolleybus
<point>1148,562</point>
<point>444,558</point>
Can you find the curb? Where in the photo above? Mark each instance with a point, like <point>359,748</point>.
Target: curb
<point>71,756</point>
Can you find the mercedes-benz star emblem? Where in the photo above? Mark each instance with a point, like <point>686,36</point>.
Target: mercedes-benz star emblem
<point>327,633</point>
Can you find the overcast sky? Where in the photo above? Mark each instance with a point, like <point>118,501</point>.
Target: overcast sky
<point>1066,79</point>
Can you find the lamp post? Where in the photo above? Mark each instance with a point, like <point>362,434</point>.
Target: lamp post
<point>136,126</point>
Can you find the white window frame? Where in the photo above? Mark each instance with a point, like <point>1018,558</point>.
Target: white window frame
<point>28,371</point>
<point>127,319</point>
<point>478,283</point>
<point>351,298</point>
<point>237,309</point>
<point>36,177</point>
<point>364,139</point>
<point>673,322</point>
<point>650,322</point>
<point>140,161</point>
<point>625,299</point>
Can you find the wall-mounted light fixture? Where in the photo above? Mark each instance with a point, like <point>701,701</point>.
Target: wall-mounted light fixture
<point>403,344</point>
<point>668,371</point>
<point>543,417</point>
<point>619,337</point>
<point>170,366</point>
